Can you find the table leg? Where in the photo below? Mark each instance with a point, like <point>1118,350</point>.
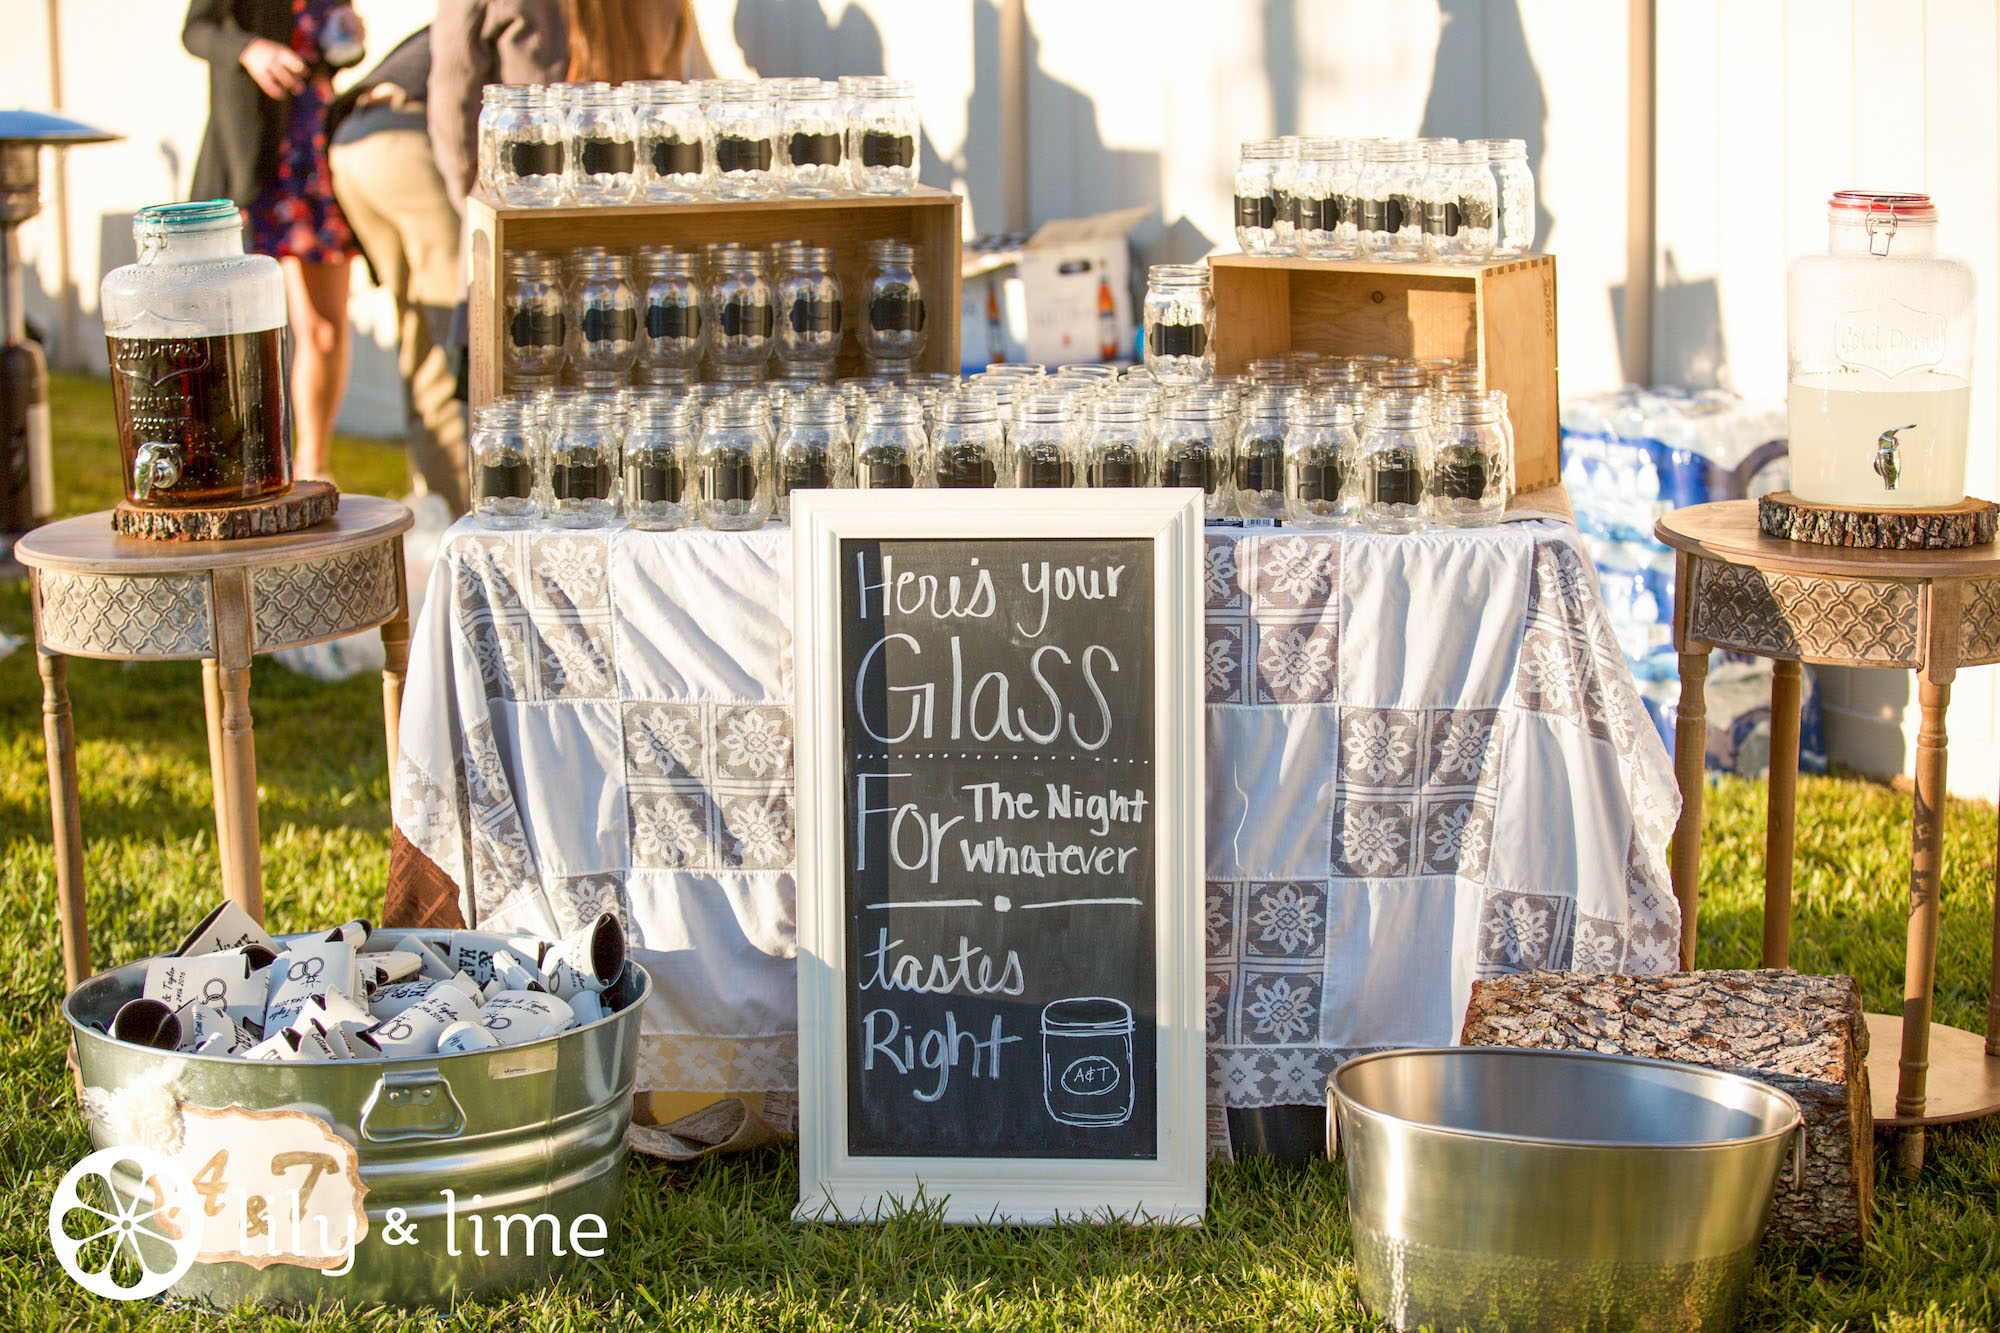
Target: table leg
<point>395,663</point>
<point>211,701</point>
<point>1690,746</point>
<point>1920,957</point>
<point>1993,979</point>
<point>1780,819</point>
<point>59,736</point>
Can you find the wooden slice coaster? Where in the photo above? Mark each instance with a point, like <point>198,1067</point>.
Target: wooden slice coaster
<point>307,503</point>
<point>1949,527</point>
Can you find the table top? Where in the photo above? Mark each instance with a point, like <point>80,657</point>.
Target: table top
<point>87,544</point>
<point>1727,531</point>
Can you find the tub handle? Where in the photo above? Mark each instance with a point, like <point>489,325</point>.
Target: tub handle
<point>1797,1174</point>
<point>411,1104</point>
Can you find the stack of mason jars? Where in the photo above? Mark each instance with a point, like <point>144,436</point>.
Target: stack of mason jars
<point>1392,200</point>
<point>655,317</point>
<point>544,145</point>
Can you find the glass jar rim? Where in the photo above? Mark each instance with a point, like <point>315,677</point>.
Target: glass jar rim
<point>1177,275</point>
<point>199,217</point>
<point>1898,206</point>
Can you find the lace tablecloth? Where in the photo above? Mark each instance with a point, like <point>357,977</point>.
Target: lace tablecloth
<point>1426,763</point>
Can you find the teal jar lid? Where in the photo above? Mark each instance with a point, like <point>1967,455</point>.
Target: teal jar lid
<point>201,215</point>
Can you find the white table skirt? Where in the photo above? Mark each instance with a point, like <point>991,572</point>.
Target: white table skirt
<point>1426,763</point>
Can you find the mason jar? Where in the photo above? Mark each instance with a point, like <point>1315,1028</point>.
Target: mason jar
<point>672,332</point>
<point>1394,447</point>
<point>882,134</point>
<point>1260,451</point>
<point>1115,445</point>
<point>1460,205</point>
<point>672,137</point>
<point>743,127</point>
<point>742,307</point>
<point>1466,482</point>
<point>1179,316</point>
<point>603,326</point>
<point>1321,441</point>
<point>505,443</point>
<point>889,448</point>
<point>659,451</point>
<point>1391,198</point>
<point>603,158</point>
<point>1195,450</point>
<point>812,132</point>
<point>893,313</point>
<point>1257,196</point>
<point>814,452</point>
<point>528,145</point>
<point>732,464</point>
<point>967,447</point>
<point>1326,211</point>
<point>1514,179</point>
<point>533,320</point>
<point>583,451</point>
<point>1042,442</point>
<point>809,321</point>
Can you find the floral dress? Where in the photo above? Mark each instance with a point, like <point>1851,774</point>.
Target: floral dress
<point>296,214</point>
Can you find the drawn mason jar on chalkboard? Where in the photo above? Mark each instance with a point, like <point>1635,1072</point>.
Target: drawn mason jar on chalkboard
<point>531,308</point>
<point>603,332</point>
<point>1087,1061</point>
<point>892,309</point>
<point>882,134</point>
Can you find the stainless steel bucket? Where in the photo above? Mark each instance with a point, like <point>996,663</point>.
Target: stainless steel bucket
<point>1491,1188</point>
<point>536,1129</point>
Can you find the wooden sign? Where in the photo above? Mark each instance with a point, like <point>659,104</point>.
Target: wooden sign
<point>275,1187</point>
<point>1000,834</point>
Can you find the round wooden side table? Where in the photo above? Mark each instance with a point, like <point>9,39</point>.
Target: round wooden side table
<point>98,594</point>
<point>1930,612</point>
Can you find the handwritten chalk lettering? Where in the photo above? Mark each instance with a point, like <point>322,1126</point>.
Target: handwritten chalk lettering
<point>949,973</point>
<point>997,856</point>
<point>1066,583</point>
<point>912,594</point>
<point>986,712</point>
<point>906,820</point>
<point>938,1050</point>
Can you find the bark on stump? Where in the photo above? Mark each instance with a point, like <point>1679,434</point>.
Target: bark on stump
<point>306,503</point>
<point>1801,1034</point>
<point>1946,528</point>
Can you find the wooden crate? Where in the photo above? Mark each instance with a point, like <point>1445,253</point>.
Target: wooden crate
<point>1501,315</point>
<point>929,217</point>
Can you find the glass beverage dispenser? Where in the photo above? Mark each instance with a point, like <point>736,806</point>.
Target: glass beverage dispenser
<point>1881,359</point>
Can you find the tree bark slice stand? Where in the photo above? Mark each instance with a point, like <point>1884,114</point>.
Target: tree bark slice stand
<point>305,504</point>
<point>1968,523</point>
<point>1802,1034</point>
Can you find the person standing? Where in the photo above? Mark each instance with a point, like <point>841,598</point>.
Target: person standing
<point>265,148</point>
<point>387,183</point>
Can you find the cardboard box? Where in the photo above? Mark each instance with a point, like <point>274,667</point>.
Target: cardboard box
<point>1065,296</point>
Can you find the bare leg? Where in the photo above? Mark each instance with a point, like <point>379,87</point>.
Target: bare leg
<point>316,295</point>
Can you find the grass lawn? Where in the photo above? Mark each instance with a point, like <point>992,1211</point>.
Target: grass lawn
<point>710,1246</point>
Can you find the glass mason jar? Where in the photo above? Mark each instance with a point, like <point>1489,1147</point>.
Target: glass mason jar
<point>583,449</point>
<point>742,309</point>
<point>603,156</point>
<point>890,444</point>
<point>1257,196</point>
<point>672,137</point>
<point>809,312</point>
<point>893,312</point>
<point>732,464</point>
<point>1466,483</point>
<point>967,447</point>
<point>532,311</point>
<point>1391,198</point>
<point>1325,210</point>
<point>1115,445</point>
<point>1284,189</point>
<point>1389,465</point>
<point>743,127</point>
<point>522,146</point>
<point>1260,451</point>
<point>1321,440</point>
<point>1195,448</point>
<point>882,132</point>
<point>603,332</point>
<point>812,131</point>
<point>506,441</point>
<point>196,333</point>
<point>1881,359</point>
<point>659,449</point>
<point>1515,181</point>
<point>1041,443</point>
<point>1460,205</point>
<point>1179,316</point>
<point>672,332</point>
<point>813,448</point>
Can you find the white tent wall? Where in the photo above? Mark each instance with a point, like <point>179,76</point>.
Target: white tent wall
<point>1138,101</point>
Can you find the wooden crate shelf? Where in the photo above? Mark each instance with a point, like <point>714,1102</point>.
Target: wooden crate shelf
<point>1501,315</point>
<point>929,217</point>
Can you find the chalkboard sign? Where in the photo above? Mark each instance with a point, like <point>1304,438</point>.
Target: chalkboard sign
<point>1000,744</point>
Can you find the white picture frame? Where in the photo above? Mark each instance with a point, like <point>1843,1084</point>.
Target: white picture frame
<point>1169,1188</point>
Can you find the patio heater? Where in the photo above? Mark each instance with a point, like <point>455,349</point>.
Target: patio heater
<point>24,380</point>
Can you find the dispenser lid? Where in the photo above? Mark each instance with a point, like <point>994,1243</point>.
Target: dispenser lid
<point>1901,205</point>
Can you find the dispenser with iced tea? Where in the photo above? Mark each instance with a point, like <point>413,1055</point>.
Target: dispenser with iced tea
<point>196,334</point>
<point>1881,359</point>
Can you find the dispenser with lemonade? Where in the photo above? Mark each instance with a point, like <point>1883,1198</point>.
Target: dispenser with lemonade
<point>1881,359</point>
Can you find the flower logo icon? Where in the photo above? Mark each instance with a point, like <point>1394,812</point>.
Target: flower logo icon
<point>131,1220</point>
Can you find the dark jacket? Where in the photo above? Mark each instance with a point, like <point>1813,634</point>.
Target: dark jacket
<point>246,130</point>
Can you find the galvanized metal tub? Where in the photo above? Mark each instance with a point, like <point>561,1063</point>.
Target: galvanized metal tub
<point>533,1129</point>
<point>1491,1188</point>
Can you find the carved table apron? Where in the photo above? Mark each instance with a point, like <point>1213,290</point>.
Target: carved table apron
<point>1930,612</point>
<point>98,594</point>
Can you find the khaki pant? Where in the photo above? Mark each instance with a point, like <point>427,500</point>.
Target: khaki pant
<point>387,183</point>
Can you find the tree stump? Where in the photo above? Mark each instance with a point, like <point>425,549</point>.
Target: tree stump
<point>1967,523</point>
<point>306,503</point>
<point>1802,1034</point>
